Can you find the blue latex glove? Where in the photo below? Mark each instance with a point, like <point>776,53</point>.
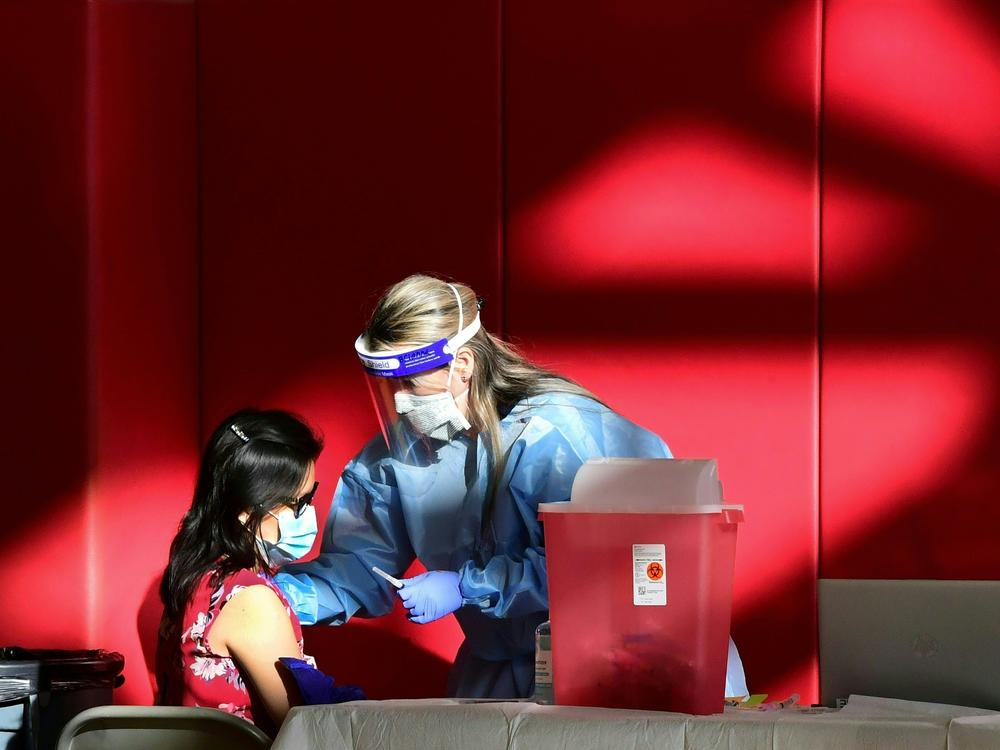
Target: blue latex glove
<point>431,596</point>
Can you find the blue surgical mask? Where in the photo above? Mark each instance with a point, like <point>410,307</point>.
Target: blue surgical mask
<point>295,537</point>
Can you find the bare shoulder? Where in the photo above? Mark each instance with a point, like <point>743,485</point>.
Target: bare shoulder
<point>253,616</point>
<point>258,602</point>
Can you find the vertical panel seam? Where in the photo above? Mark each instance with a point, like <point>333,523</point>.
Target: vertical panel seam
<point>502,269</point>
<point>199,250</point>
<point>90,188</point>
<point>820,173</point>
<point>818,463</point>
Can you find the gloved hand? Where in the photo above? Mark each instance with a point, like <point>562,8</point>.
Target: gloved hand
<point>431,596</point>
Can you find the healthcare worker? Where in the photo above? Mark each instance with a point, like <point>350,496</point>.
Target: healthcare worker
<point>473,438</point>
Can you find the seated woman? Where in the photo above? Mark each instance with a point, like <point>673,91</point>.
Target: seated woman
<point>225,623</point>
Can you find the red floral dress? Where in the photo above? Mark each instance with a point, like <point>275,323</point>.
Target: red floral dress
<point>194,675</point>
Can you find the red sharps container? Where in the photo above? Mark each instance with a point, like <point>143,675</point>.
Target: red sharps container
<point>640,566</point>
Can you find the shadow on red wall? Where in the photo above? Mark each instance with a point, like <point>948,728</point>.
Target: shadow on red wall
<point>332,167</point>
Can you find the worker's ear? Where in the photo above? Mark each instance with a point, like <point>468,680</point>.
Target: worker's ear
<point>465,364</point>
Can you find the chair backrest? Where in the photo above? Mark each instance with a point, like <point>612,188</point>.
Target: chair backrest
<point>160,728</point>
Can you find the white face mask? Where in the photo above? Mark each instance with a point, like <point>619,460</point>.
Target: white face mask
<point>436,416</point>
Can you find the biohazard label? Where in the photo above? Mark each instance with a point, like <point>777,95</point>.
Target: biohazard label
<point>649,575</point>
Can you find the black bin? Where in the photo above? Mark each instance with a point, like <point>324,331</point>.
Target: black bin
<point>42,689</point>
<point>19,687</point>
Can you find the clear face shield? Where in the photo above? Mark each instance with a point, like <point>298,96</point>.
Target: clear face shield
<point>412,395</point>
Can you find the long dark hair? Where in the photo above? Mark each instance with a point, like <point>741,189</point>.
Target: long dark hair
<point>254,462</point>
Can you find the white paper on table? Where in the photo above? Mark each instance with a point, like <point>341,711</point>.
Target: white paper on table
<point>870,706</point>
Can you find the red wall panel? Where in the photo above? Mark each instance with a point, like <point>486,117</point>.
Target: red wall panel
<point>911,342</point>
<point>143,338</point>
<point>101,235</point>
<point>662,250</point>
<point>43,238</point>
<point>342,149</point>
<point>660,176</point>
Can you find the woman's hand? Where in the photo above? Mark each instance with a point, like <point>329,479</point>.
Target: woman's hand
<point>431,596</point>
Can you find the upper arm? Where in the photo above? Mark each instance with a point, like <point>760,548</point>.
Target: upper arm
<point>257,630</point>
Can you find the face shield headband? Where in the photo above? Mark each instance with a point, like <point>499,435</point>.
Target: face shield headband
<point>407,362</point>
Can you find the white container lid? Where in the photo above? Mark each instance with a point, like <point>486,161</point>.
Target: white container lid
<point>645,485</point>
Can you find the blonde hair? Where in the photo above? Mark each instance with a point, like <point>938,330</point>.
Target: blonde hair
<point>420,310</point>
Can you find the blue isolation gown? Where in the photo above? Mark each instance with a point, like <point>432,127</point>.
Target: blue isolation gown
<point>386,513</point>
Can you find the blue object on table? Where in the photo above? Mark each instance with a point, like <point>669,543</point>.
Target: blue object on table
<point>316,687</point>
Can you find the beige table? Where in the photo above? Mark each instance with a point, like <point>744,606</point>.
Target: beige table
<point>872,724</point>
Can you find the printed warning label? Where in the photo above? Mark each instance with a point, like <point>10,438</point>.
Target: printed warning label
<point>649,575</point>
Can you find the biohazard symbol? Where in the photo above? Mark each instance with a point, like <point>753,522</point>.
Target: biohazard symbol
<point>654,571</point>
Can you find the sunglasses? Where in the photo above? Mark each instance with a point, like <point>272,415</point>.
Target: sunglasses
<point>298,505</point>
